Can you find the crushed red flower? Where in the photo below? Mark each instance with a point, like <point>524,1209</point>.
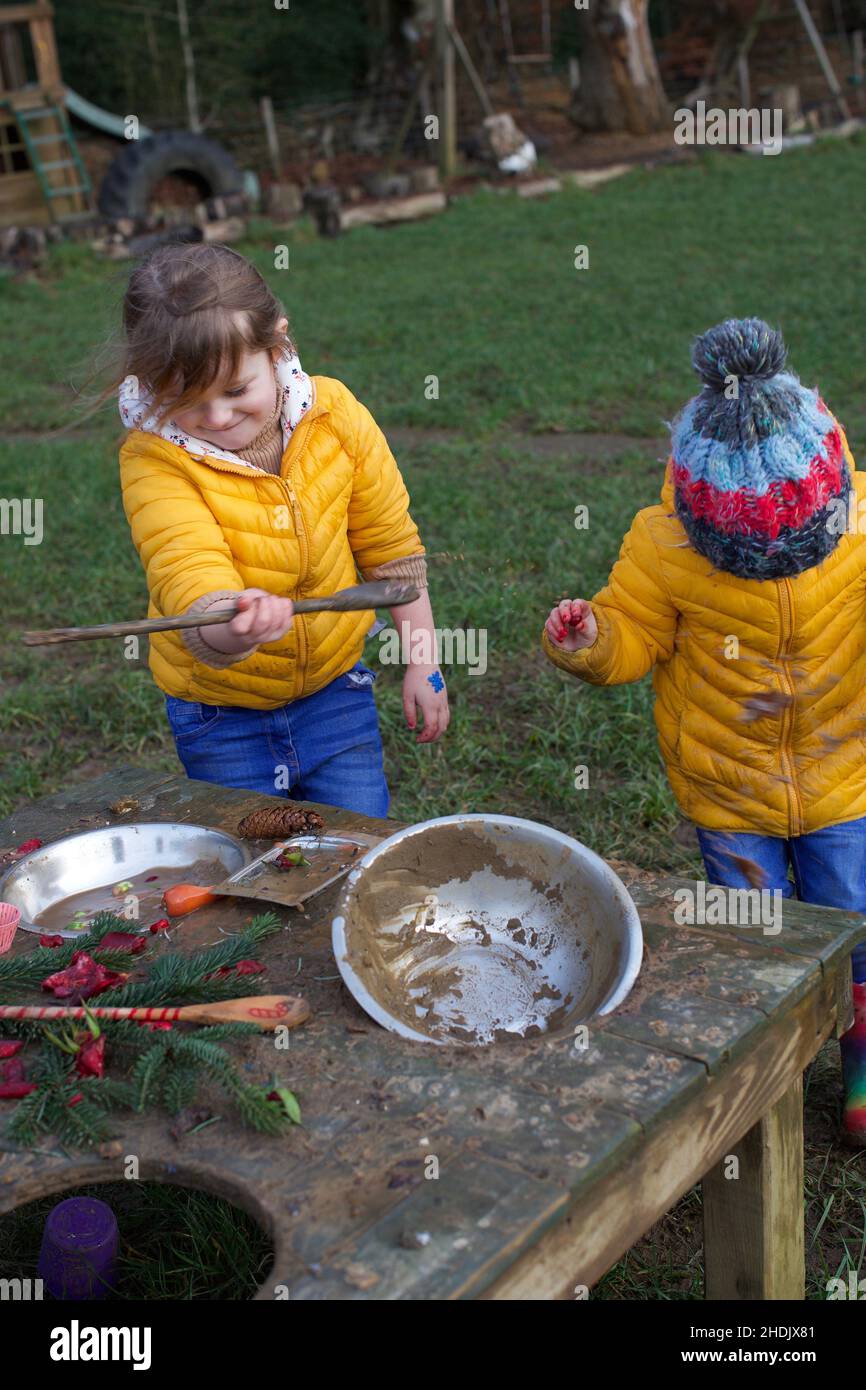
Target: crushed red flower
<point>16,1090</point>
<point>243,967</point>
<point>51,941</point>
<point>13,1082</point>
<point>249,967</point>
<point>122,941</point>
<point>82,979</point>
<point>28,847</point>
<point>8,1049</point>
<point>90,1060</point>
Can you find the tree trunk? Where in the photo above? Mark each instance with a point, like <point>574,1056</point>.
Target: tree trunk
<point>620,87</point>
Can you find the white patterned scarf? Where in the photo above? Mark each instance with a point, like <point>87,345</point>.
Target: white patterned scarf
<point>297,396</point>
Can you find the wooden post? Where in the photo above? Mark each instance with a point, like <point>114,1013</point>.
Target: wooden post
<point>857,39</point>
<point>189,67</point>
<point>267,110</point>
<point>447,93</point>
<point>743,78</point>
<point>753,1218</point>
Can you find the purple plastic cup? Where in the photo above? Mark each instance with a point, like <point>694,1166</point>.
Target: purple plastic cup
<point>78,1257</point>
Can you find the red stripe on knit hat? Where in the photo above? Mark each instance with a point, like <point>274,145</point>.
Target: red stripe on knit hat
<point>789,503</point>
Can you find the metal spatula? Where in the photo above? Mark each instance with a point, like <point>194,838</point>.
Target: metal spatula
<point>382,593</point>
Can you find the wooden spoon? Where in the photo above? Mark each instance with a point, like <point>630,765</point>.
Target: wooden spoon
<point>381,593</point>
<point>267,1011</point>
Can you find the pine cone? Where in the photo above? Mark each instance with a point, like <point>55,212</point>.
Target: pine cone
<point>272,823</point>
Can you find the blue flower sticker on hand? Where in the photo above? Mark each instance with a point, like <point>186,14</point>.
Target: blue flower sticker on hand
<point>436,681</point>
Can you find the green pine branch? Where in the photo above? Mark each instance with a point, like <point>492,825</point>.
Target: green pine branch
<point>164,1067</point>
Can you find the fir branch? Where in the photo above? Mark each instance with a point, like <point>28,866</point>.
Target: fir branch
<point>145,1075</point>
<point>180,1089</point>
<point>179,979</point>
<point>27,972</point>
<point>166,1067</point>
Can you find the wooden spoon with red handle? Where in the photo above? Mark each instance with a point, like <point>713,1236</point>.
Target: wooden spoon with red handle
<point>267,1011</point>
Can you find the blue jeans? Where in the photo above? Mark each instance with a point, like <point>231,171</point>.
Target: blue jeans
<point>829,867</point>
<point>324,747</point>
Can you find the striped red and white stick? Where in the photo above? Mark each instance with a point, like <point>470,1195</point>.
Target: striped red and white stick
<point>267,1011</point>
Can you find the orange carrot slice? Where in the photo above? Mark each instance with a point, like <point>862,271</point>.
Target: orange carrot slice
<point>186,897</point>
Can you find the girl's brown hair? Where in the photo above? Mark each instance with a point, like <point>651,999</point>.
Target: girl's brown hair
<point>189,313</point>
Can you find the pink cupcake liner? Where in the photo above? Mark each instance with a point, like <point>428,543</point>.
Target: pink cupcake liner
<point>9,919</point>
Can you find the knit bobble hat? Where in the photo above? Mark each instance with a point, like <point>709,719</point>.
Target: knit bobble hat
<point>759,473</point>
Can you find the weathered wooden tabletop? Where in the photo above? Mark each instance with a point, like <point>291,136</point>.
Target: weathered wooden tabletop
<point>552,1159</point>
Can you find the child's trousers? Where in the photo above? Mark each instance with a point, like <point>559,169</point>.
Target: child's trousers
<point>829,867</point>
<point>324,747</point>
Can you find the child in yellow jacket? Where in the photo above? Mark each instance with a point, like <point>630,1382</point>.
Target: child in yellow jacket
<point>745,593</point>
<point>247,482</point>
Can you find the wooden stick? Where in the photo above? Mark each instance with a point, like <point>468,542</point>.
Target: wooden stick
<point>446,104</point>
<point>381,593</point>
<point>267,109</point>
<point>463,54</point>
<point>821,53</point>
<point>267,1011</point>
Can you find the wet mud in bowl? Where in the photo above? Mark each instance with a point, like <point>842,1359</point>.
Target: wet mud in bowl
<point>478,929</point>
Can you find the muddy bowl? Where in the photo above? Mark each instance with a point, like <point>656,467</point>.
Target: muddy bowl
<point>474,929</point>
<point>47,884</point>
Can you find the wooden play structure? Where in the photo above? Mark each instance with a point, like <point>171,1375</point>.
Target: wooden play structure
<point>42,176</point>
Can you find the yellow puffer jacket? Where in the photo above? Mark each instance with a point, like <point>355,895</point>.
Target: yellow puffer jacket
<point>203,524</point>
<point>760,684</point>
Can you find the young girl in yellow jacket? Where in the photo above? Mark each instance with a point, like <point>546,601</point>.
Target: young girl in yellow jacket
<point>246,481</point>
<point>745,593</point>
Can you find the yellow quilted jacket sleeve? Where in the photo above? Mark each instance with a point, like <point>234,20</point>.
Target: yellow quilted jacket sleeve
<point>182,548</point>
<point>379,525</point>
<point>636,618</point>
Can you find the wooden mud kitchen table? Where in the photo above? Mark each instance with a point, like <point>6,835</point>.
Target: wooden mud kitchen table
<point>552,1159</point>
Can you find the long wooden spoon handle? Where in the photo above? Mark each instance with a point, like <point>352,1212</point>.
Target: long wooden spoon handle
<point>266,1011</point>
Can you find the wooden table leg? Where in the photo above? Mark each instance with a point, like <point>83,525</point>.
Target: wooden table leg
<point>753,1217</point>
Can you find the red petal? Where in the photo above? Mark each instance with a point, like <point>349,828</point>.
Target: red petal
<point>83,978</point>
<point>12,1070</point>
<point>51,941</point>
<point>14,1090</point>
<point>122,941</point>
<point>28,846</point>
<point>162,925</point>
<point>75,1099</point>
<point>8,1049</point>
<point>249,967</point>
<point>91,1058</point>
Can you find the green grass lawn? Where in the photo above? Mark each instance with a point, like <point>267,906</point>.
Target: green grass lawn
<point>487,299</point>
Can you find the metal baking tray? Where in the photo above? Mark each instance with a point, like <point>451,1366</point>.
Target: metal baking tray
<point>330,856</point>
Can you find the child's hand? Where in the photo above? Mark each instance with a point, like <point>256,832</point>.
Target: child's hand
<point>424,687</point>
<point>263,617</point>
<point>572,625</point>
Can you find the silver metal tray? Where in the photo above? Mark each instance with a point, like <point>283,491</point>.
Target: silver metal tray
<point>330,856</point>
<point>101,858</point>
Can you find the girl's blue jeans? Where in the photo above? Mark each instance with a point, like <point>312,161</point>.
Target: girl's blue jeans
<point>324,747</point>
<point>829,867</point>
